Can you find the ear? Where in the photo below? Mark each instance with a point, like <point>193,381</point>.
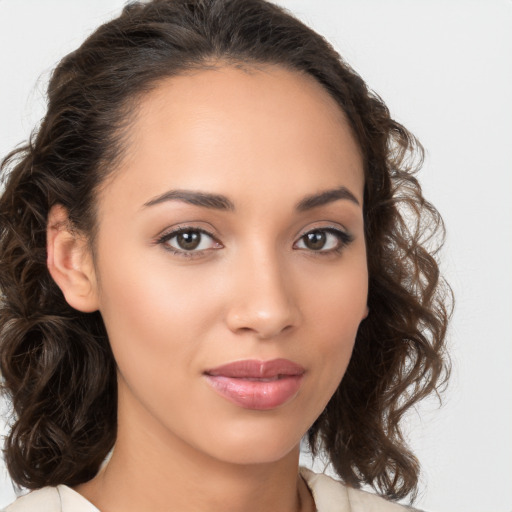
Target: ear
<point>69,262</point>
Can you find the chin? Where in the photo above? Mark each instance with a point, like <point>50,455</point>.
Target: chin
<point>265,453</point>
<point>256,443</point>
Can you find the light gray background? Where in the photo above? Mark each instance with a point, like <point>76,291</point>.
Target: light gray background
<point>444,67</point>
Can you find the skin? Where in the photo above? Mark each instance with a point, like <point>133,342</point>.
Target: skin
<point>266,139</point>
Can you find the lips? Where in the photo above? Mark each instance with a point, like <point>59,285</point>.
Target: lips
<point>259,385</point>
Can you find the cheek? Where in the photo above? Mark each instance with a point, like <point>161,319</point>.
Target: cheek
<point>155,332</point>
<point>337,301</point>
<point>335,312</point>
<point>151,316</point>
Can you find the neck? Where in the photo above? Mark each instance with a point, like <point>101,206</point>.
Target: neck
<point>162,473</point>
<point>134,485</point>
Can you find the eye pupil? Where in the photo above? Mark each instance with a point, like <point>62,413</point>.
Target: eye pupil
<point>188,240</point>
<point>315,240</point>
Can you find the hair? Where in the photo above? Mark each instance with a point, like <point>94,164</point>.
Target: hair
<point>56,363</point>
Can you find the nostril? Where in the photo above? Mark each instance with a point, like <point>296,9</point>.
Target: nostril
<point>264,306</point>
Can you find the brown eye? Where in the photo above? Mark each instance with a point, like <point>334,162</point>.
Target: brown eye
<point>324,240</point>
<point>188,240</point>
<point>315,240</point>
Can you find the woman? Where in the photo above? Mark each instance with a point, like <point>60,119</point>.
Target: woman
<point>203,259</point>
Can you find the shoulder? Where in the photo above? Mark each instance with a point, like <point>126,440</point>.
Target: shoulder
<point>43,500</point>
<point>333,496</point>
<point>51,499</point>
<point>367,501</point>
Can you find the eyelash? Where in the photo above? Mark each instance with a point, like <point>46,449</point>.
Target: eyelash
<point>344,239</point>
<point>181,252</point>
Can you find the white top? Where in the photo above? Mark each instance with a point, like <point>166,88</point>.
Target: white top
<point>329,495</point>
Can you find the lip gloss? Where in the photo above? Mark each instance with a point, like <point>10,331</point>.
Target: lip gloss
<point>258,385</point>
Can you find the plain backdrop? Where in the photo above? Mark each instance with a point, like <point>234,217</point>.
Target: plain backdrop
<point>444,67</point>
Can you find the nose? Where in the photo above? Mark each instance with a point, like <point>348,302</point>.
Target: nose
<point>263,301</point>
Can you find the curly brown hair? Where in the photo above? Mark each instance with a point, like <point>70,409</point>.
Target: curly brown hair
<point>57,366</point>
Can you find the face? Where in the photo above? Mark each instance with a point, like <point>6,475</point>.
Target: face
<point>230,261</point>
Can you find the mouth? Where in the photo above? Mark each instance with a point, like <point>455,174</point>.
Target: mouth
<point>258,385</point>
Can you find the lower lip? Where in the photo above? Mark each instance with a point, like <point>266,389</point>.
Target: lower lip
<point>256,394</point>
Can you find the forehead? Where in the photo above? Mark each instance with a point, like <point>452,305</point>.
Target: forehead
<point>223,127</point>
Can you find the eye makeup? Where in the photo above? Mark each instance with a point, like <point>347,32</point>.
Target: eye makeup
<point>189,241</point>
<point>193,241</point>
<point>324,240</point>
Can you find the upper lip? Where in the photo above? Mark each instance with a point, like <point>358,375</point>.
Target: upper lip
<point>254,369</point>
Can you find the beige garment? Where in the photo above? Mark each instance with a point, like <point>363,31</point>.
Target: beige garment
<point>52,499</point>
<point>329,495</point>
<point>332,496</point>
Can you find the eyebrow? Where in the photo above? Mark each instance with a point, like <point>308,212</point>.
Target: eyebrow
<point>221,202</point>
<point>204,199</point>
<point>326,197</point>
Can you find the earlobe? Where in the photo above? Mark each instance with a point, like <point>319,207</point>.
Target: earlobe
<point>69,262</point>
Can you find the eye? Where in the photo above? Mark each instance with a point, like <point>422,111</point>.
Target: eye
<point>185,241</point>
<point>324,240</point>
